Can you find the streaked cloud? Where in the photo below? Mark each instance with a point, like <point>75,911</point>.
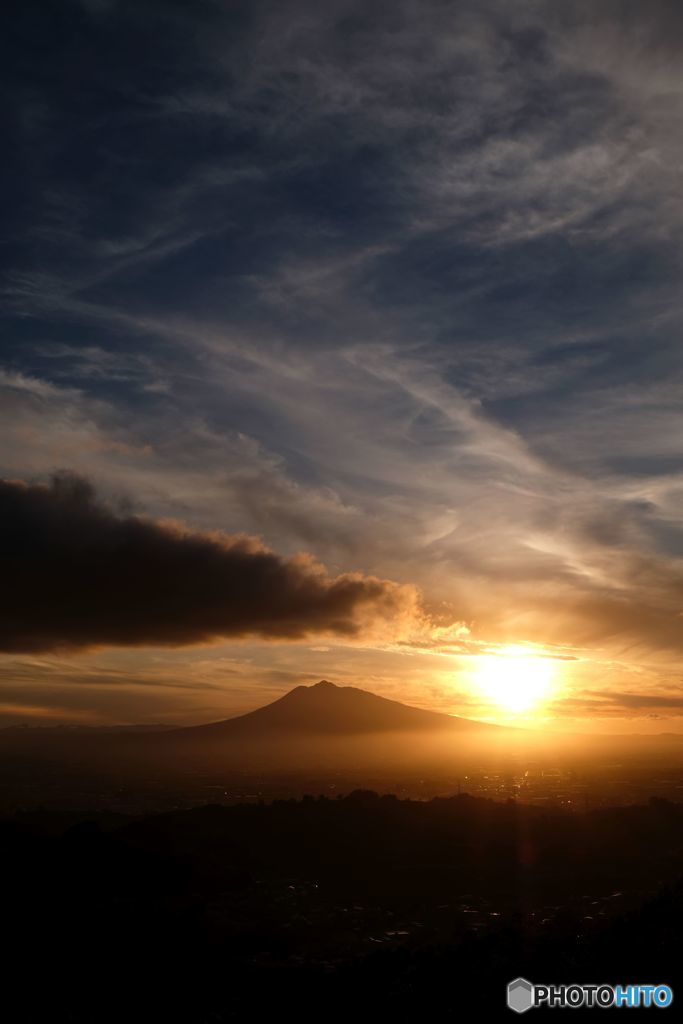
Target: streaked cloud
<point>395,284</point>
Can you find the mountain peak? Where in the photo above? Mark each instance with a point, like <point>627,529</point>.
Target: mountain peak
<point>325,708</point>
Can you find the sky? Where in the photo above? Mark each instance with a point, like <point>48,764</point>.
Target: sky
<point>342,341</point>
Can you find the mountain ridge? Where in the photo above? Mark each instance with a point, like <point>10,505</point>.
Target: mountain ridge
<point>325,708</point>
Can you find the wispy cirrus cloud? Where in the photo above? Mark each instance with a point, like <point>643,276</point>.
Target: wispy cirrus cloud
<point>397,284</point>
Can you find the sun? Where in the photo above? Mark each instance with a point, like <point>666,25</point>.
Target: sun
<point>514,679</point>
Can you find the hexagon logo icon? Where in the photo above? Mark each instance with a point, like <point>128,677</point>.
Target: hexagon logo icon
<point>520,995</point>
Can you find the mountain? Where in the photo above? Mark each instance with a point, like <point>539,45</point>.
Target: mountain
<point>327,709</point>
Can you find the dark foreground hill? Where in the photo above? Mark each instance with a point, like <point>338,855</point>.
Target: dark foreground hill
<point>366,907</point>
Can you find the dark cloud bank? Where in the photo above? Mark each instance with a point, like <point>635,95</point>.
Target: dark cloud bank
<point>77,573</point>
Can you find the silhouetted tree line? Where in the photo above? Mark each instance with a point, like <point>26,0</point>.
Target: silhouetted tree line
<point>366,906</point>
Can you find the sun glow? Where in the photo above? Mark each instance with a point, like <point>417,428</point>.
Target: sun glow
<point>514,679</point>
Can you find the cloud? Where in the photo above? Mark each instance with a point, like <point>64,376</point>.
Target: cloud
<point>422,319</point>
<point>644,700</point>
<point>616,704</point>
<point>78,573</point>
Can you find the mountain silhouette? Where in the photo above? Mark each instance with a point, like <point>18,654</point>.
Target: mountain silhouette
<point>329,709</point>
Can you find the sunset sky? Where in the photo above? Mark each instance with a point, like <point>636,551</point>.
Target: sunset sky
<point>343,340</point>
